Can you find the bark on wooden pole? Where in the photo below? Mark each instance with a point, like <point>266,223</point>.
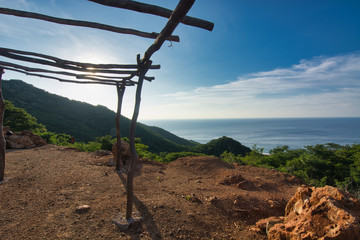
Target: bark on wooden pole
<point>180,11</point>
<point>155,10</point>
<point>80,23</point>
<point>61,62</point>
<point>134,158</point>
<point>120,93</point>
<point>2,139</point>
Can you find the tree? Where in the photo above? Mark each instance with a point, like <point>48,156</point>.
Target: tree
<point>218,146</point>
<point>18,119</point>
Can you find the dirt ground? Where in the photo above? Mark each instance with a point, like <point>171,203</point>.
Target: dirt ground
<point>190,198</point>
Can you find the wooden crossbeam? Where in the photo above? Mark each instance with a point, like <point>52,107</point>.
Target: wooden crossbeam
<point>114,79</point>
<point>73,63</point>
<point>81,23</point>
<point>155,10</point>
<point>103,82</point>
<point>69,67</point>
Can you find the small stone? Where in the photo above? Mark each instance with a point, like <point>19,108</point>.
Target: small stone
<point>264,223</point>
<point>123,224</point>
<point>255,229</point>
<point>212,199</point>
<point>82,209</point>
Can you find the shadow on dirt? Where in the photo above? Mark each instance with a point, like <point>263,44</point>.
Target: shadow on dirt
<point>148,220</point>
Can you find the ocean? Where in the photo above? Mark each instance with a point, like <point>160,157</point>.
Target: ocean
<point>267,133</point>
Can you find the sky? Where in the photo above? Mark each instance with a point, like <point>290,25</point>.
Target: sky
<point>264,58</point>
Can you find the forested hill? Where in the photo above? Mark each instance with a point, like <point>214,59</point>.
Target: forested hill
<point>82,120</point>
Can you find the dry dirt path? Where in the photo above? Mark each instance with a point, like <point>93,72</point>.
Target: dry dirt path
<point>190,198</point>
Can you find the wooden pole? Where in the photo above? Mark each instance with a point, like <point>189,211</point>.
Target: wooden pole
<point>134,158</point>
<point>61,62</point>
<point>120,93</point>
<point>155,10</point>
<point>180,11</point>
<point>80,23</point>
<point>2,139</point>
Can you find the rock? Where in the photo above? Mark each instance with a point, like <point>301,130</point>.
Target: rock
<point>195,199</point>
<point>212,199</point>
<point>320,213</point>
<point>232,179</point>
<point>246,185</point>
<point>261,224</point>
<point>102,153</point>
<point>82,209</point>
<point>123,224</point>
<point>125,152</point>
<point>255,229</point>
<point>24,139</point>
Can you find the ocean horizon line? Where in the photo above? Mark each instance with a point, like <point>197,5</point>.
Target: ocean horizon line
<point>245,118</point>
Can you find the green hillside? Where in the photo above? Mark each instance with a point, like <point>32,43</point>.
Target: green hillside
<point>82,120</point>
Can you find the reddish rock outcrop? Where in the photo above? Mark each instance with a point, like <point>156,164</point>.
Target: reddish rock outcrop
<point>319,213</point>
<point>24,139</point>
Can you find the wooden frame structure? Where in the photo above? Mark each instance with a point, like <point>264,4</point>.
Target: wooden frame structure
<point>119,75</point>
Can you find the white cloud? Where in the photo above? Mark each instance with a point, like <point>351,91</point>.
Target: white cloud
<point>318,87</point>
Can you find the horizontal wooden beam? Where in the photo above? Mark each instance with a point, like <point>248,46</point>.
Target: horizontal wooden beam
<point>114,79</point>
<point>62,62</point>
<point>53,64</point>
<point>64,80</point>
<point>155,10</point>
<point>80,23</point>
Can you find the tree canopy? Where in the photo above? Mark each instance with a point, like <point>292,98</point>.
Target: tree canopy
<point>17,119</point>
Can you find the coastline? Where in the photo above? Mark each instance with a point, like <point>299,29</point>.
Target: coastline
<point>267,133</point>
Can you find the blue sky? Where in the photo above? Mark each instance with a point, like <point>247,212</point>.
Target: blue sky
<point>264,58</point>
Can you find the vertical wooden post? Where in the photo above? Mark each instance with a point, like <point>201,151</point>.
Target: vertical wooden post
<point>120,93</point>
<point>143,67</point>
<point>180,11</point>
<point>2,139</point>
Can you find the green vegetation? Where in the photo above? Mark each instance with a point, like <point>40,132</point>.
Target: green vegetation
<point>83,121</point>
<point>319,165</point>
<point>18,119</point>
<point>217,146</point>
<point>170,151</point>
<point>164,157</point>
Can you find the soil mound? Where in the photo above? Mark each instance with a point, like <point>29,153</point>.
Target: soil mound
<point>199,165</point>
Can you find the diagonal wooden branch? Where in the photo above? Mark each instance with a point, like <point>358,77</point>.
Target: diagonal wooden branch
<point>76,64</point>
<point>155,10</point>
<point>174,20</point>
<point>81,23</point>
<point>180,11</point>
